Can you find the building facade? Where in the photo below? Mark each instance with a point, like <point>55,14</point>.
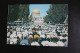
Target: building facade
<point>36,18</point>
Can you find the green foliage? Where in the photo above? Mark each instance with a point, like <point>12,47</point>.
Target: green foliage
<point>13,12</point>
<point>24,12</point>
<point>17,12</point>
<point>30,18</point>
<point>57,13</point>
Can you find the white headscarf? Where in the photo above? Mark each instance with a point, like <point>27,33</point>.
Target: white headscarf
<point>60,43</point>
<point>35,43</point>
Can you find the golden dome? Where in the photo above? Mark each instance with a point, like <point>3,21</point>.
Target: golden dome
<point>36,11</point>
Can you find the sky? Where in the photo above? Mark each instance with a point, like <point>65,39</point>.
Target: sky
<point>42,7</point>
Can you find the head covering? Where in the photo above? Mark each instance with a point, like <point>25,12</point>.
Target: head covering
<point>24,42</point>
<point>33,28</point>
<point>60,43</point>
<point>36,36</point>
<point>35,44</point>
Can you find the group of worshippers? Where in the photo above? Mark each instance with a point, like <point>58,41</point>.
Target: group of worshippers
<point>22,37</point>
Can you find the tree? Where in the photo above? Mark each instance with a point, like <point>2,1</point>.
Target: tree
<point>30,18</point>
<point>24,12</point>
<point>17,12</point>
<point>57,13</point>
<point>13,13</point>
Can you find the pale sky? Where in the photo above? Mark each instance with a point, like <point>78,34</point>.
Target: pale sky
<point>42,7</point>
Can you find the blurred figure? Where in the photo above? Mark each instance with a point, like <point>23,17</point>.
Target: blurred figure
<point>35,44</point>
<point>52,44</point>
<point>35,35</point>
<point>45,43</point>
<point>60,43</point>
<point>30,38</point>
<point>42,37</point>
<point>13,38</point>
<point>8,40</point>
<point>19,34</point>
<point>24,42</point>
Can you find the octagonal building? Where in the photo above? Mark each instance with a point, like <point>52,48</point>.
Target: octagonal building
<point>36,18</point>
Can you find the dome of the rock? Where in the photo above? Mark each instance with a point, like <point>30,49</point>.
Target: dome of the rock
<point>36,11</point>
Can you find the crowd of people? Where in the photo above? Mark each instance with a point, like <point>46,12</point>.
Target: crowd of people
<point>38,35</point>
